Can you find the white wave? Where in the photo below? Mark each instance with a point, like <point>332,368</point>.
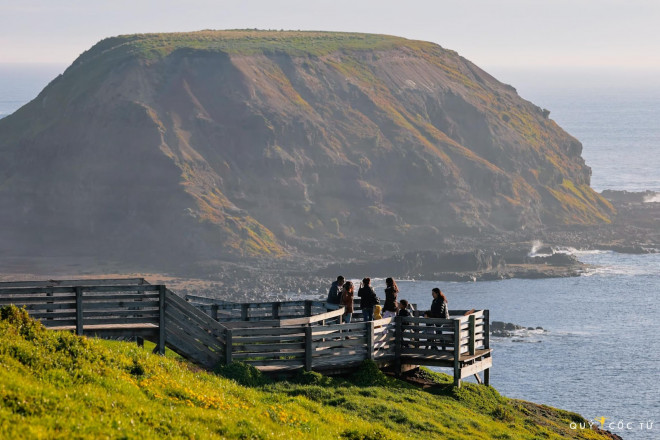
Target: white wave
<point>579,252</point>
<point>616,270</point>
<point>655,198</point>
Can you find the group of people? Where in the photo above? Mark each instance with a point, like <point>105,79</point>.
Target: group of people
<point>342,293</point>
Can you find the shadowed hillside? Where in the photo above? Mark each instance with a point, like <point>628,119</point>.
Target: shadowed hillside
<point>227,144</point>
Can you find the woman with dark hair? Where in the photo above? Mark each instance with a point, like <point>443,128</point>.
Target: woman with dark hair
<point>439,310</point>
<point>368,299</point>
<point>347,301</point>
<point>391,292</point>
<point>439,305</point>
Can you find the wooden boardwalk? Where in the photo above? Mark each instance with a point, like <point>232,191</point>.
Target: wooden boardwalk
<point>275,337</point>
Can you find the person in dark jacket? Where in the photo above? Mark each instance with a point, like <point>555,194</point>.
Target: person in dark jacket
<point>347,301</point>
<point>439,305</point>
<point>391,292</point>
<point>334,295</point>
<point>368,299</point>
<point>439,309</point>
<point>403,308</point>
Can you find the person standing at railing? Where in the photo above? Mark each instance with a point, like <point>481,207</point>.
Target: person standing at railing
<point>440,310</point>
<point>347,301</point>
<point>391,292</point>
<point>368,299</point>
<point>403,308</point>
<point>334,295</point>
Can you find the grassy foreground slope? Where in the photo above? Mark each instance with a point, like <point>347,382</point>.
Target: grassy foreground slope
<point>58,385</point>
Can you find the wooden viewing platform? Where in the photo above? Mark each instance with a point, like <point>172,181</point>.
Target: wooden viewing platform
<point>275,337</point>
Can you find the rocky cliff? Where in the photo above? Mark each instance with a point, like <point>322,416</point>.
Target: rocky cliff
<point>223,144</point>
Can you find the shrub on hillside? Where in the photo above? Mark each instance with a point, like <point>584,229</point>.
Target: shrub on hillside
<point>244,374</point>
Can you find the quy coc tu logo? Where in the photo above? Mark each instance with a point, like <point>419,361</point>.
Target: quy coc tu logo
<point>619,425</point>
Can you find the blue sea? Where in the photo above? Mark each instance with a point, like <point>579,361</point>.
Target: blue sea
<point>599,353</point>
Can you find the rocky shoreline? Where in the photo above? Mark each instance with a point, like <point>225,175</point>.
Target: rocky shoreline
<point>468,258</point>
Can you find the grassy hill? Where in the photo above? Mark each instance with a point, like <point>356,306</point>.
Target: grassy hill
<point>58,385</point>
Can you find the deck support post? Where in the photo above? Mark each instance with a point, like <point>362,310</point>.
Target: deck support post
<point>457,353</point>
<point>398,337</point>
<point>308,348</point>
<point>161,319</point>
<point>79,311</point>
<point>487,343</point>
<point>370,340</point>
<point>471,337</point>
<point>228,346</point>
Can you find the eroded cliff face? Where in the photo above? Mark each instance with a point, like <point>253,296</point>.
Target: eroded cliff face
<point>242,143</point>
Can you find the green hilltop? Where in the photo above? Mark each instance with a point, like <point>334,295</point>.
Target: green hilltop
<point>56,385</point>
<point>253,41</point>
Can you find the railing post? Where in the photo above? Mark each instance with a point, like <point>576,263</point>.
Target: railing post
<point>276,310</point>
<point>398,337</point>
<point>471,339</point>
<point>487,343</point>
<point>228,346</point>
<point>370,340</point>
<point>308,348</point>
<point>457,352</point>
<point>308,307</point>
<point>214,311</point>
<point>244,312</point>
<point>161,321</point>
<point>49,292</point>
<point>79,311</point>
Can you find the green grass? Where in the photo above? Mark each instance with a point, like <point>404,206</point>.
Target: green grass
<point>252,41</point>
<point>57,385</point>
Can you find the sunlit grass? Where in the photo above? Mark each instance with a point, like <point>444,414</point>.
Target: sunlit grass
<point>58,385</point>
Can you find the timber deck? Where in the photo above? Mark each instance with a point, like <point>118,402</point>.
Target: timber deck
<point>274,337</point>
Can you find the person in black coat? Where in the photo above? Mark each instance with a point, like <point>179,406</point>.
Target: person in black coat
<point>334,295</point>
<point>403,308</point>
<point>439,309</point>
<point>439,305</point>
<point>368,299</point>
<point>391,293</point>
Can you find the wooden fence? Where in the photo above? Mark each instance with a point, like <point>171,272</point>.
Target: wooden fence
<point>311,347</point>
<point>274,337</point>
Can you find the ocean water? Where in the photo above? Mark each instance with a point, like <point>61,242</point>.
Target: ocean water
<point>20,83</point>
<point>600,352</point>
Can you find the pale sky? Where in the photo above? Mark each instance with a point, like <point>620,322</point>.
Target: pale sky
<point>611,34</point>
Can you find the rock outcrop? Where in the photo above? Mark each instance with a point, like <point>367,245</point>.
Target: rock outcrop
<point>230,144</point>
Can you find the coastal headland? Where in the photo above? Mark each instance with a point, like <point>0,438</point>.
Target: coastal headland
<point>269,161</point>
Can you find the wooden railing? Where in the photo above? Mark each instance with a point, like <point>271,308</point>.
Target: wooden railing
<point>309,347</point>
<point>86,307</point>
<point>191,333</point>
<point>118,308</point>
<point>225,311</point>
<point>275,336</point>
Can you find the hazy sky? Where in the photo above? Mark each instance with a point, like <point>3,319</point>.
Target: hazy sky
<point>616,34</point>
